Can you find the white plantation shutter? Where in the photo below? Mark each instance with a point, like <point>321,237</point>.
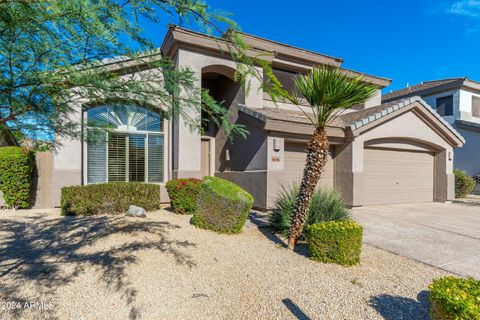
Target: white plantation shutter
<point>96,158</point>
<point>117,157</point>
<point>136,157</point>
<point>155,158</point>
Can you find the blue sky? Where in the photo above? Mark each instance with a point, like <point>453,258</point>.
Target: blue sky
<point>407,41</point>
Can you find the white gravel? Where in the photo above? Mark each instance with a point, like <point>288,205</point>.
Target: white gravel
<point>161,267</point>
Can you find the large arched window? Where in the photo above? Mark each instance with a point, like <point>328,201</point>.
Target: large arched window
<point>124,143</point>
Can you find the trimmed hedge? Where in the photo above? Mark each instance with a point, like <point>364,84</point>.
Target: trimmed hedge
<point>454,298</point>
<point>223,206</point>
<point>327,205</point>
<point>464,184</point>
<point>113,198</point>
<point>183,194</point>
<point>16,167</point>
<point>335,241</point>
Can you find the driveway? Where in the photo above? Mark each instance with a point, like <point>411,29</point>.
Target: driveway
<point>443,235</point>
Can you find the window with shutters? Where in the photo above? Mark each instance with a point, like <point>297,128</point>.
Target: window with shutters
<point>124,143</point>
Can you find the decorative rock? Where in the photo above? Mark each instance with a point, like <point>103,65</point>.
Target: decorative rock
<point>134,211</point>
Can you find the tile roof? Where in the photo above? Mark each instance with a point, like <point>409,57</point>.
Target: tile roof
<point>353,120</point>
<point>414,90</point>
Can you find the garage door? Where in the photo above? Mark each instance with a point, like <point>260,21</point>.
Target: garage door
<point>394,176</point>
<point>294,162</point>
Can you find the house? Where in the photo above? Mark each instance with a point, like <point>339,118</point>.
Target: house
<point>393,152</point>
<point>457,100</point>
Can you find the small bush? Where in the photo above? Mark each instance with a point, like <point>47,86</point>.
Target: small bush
<point>183,194</point>
<point>223,206</point>
<point>464,184</point>
<point>327,205</point>
<point>16,166</point>
<point>454,298</point>
<point>112,198</point>
<point>335,241</point>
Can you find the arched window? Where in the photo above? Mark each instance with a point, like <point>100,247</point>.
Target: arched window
<point>124,143</point>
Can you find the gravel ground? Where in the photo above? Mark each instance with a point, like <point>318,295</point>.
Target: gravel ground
<point>161,267</point>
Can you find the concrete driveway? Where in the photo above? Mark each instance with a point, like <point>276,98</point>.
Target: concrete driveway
<point>446,236</point>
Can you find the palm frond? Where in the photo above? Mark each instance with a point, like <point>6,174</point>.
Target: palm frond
<point>329,91</point>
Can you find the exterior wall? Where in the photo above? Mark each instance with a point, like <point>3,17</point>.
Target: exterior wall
<point>42,181</point>
<point>405,129</point>
<point>466,158</point>
<point>465,106</point>
<point>432,101</point>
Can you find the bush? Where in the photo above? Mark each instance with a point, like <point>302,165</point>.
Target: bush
<point>455,298</point>
<point>183,194</point>
<point>16,166</point>
<point>111,198</point>
<point>464,184</point>
<point>327,205</point>
<point>223,206</point>
<point>335,241</point>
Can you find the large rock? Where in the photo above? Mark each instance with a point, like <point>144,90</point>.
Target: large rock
<point>134,211</point>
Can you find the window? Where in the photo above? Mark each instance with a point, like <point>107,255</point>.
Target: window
<point>124,143</point>
<point>476,106</point>
<point>445,106</point>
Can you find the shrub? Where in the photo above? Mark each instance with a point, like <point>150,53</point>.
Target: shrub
<point>183,194</point>
<point>327,205</point>
<point>223,206</point>
<point>16,166</point>
<point>111,198</point>
<point>335,241</point>
<point>455,298</point>
<point>463,183</point>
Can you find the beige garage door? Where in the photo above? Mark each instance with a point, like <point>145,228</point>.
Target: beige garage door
<point>294,162</point>
<point>394,176</point>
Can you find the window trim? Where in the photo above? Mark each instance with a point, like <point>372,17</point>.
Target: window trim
<point>166,147</point>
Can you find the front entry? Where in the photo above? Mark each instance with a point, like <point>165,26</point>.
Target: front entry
<point>205,169</point>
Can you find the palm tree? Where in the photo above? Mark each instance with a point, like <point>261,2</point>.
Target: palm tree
<point>329,91</point>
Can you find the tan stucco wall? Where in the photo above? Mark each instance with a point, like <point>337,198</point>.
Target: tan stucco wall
<point>42,181</point>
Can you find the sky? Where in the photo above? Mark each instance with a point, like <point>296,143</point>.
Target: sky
<point>406,41</point>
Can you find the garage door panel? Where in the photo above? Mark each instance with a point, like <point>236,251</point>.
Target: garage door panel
<point>295,155</point>
<point>395,176</point>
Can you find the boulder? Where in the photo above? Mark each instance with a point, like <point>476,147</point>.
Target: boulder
<point>135,211</point>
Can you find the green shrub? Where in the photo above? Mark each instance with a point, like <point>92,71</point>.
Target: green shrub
<point>222,206</point>
<point>335,241</point>
<point>327,205</point>
<point>183,194</point>
<point>16,166</point>
<point>464,184</point>
<point>111,198</point>
<point>455,298</point>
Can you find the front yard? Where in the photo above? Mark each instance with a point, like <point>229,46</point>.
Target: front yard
<point>115,267</point>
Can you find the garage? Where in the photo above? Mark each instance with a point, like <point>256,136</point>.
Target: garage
<point>294,161</point>
<point>397,176</point>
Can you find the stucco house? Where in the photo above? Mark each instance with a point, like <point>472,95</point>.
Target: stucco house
<point>394,152</point>
<point>457,100</point>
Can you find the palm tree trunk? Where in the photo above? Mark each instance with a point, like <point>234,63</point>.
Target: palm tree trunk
<point>317,155</point>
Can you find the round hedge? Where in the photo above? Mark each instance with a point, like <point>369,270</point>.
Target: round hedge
<point>222,206</point>
<point>464,184</point>
<point>183,194</point>
<point>454,298</point>
<point>335,241</point>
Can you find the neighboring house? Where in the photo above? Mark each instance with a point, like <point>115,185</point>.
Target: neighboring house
<point>457,100</point>
<point>380,153</point>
